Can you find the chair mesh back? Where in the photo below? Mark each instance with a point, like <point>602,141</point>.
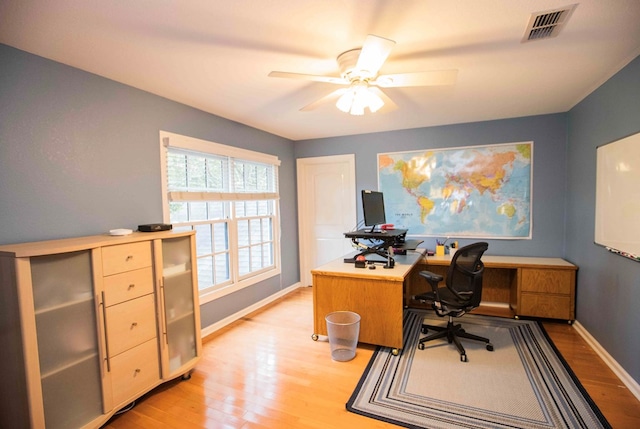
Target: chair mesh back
<point>464,277</point>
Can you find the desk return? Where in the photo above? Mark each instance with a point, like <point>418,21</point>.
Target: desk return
<point>517,286</point>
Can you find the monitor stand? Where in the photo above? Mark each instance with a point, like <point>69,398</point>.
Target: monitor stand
<point>385,239</point>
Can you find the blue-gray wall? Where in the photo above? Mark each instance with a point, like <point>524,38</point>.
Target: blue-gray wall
<point>608,301</point>
<point>80,155</point>
<point>548,133</point>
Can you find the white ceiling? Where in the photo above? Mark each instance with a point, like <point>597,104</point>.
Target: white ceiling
<point>215,55</point>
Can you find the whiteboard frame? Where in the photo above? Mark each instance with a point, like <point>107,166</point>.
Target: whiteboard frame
<point>617,208</point>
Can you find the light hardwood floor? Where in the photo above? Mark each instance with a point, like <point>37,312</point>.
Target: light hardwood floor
<point>264,371</point>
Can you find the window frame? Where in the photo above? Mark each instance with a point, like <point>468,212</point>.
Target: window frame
<point>236,281</point>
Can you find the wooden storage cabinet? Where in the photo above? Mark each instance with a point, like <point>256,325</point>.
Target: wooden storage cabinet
<point>84,325</point>
<point>547,292</point>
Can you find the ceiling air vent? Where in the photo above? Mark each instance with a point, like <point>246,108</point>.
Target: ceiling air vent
<point>543,25</point>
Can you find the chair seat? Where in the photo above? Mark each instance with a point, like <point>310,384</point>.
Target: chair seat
<point>446,297</point>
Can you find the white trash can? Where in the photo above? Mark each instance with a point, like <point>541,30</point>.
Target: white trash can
<point>343,328</point>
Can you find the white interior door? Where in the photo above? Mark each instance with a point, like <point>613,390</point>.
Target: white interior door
<point>326,210</point>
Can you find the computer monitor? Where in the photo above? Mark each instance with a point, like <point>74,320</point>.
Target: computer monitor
<point>373,208</point>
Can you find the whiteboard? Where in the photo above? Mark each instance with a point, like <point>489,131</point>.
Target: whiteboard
<point>618,196</point>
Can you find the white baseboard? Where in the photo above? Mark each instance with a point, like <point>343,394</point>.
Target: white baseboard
<point>240,314</point>
<point>628,381</point>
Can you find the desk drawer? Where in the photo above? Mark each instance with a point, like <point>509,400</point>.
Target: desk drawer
<point>130,323</point>
<point>135,371</point>
<point>126,286</point>
<point>547,280</point>
<point>547,306</point>
<point>125,257</point>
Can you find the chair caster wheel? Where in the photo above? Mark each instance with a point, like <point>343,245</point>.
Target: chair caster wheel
<point>424,329</point>
<point>490,347</point>
<point>463,358</point>
<point>462,331</point>
<point>314,337</point>
<point>420,346</point>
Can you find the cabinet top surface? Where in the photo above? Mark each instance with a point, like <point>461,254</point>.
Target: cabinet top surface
<point>74,244</point>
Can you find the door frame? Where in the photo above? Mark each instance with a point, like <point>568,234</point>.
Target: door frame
<point>305,230</point>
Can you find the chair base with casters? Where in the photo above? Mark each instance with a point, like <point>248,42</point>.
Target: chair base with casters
<point>452,332</point>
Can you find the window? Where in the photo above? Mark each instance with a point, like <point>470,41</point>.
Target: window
<point>229,196</point>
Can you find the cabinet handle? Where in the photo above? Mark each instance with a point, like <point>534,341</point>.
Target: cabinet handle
<point>130,257</point>
<point>106,343</point>
<point>132,285</point>
<point>134,324</point>
<point>164,315</point>
<point>136,372</point>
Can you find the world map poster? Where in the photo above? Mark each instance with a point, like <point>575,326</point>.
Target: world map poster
<point>474,192</point>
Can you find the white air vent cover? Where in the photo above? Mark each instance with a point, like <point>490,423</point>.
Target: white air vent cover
<point>543,25</point>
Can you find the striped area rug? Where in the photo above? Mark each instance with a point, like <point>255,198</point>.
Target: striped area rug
<point>523,383</point>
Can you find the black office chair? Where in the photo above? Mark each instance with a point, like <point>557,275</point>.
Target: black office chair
<point>462,294</point>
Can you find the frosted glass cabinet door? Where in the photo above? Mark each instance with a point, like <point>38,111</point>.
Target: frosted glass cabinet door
<point>179,304</point>
<point>67,338</point>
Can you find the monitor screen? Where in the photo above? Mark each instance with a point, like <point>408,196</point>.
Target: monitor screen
<point>373,208</point>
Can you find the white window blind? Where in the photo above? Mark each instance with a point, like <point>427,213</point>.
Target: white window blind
<point>229,196</point>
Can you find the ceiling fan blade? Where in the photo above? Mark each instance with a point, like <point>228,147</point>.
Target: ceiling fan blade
<point>374,53</point>
<point>333,96</point>
<point>428,78</point>
<point>388,103</point>
<point>316,78</point>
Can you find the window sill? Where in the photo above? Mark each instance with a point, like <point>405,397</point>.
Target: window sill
<point>226,290</point>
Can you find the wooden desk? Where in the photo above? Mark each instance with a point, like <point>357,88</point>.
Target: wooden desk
<point>515,286</point>
<point>376,295</point>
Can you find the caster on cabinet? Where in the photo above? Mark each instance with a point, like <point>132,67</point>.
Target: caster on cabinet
<point>314,337</point>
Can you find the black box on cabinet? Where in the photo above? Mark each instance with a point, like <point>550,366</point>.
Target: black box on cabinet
<point>155,227</point>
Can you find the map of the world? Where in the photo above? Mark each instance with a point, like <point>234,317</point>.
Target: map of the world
<point>475,192</point>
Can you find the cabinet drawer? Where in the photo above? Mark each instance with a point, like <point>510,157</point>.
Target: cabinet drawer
<point>548,306</point>
<point>125,257</point>
<point>130,323</point>
<point>547,280</point>
<point>135,371</point>
<point>125,286</point>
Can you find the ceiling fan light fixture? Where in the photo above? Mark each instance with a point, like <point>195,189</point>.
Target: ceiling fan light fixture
<point>357,98</point>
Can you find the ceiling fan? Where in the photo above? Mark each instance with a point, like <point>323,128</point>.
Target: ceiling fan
<point>359,71</point>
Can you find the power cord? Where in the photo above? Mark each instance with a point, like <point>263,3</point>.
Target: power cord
<point>125,409</point>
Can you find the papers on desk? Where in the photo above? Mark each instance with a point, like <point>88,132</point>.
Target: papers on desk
<point>408,244</point>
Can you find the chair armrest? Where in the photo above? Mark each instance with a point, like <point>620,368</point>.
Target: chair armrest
<point>432,278</point>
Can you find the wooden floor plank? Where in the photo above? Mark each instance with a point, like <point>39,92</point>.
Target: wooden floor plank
<point>264,371</point>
